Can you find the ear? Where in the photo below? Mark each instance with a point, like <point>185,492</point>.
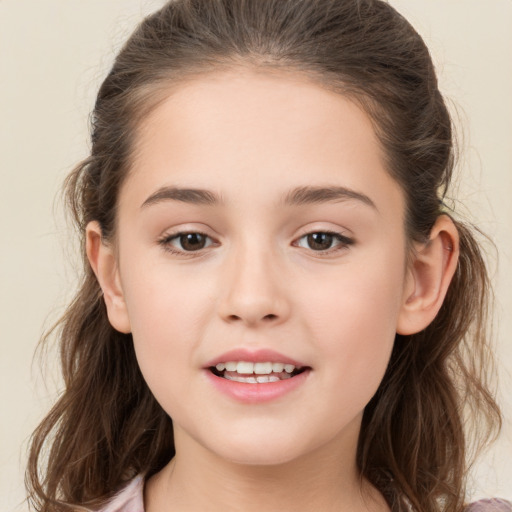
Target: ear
<point>429,275</point>
<point>104,264</point>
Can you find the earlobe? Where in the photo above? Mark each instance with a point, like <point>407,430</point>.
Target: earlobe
<point>104,264</point>
<point>429,275</point>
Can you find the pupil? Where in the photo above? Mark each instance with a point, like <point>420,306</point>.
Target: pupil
<point>320,241</point>
<point>192,241</point>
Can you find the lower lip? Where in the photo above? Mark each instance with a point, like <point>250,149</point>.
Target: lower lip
<point>257,393</point>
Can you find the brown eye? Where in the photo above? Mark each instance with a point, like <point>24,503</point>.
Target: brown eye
<point>323,241</point>
<point>184,242</point>
<point>320,241</point>
<point>192,241</point>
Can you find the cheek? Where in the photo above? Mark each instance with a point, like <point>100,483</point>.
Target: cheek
<point>164,300</point>
<point>353,321</point>
<point>166,320</point>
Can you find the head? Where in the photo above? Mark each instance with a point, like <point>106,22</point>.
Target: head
<point>357,70</point>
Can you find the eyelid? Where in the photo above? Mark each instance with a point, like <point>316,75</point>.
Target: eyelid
<point>344,241</point>
<point>165,241</point>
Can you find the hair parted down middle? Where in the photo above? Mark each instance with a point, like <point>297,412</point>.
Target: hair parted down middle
<point>106,427</point>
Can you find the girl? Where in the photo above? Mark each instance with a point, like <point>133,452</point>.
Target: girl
<point>278,312</point>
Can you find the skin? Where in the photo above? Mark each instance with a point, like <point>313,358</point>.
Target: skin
<point>250,138</point>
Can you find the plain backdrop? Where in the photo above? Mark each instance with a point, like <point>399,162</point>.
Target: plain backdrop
<point>53,55</point>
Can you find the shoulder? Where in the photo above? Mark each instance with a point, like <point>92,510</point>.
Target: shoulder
<point>494,505</point>
<point>129,499</point>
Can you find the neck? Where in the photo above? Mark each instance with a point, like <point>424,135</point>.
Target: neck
<point>326,480</point>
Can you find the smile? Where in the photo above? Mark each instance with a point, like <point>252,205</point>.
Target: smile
<point>256,373</point>
<point>256,376</point>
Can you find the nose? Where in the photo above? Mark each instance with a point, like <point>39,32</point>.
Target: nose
<point>253,290</point>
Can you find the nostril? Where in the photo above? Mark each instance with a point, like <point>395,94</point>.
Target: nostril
<point>252,318</point>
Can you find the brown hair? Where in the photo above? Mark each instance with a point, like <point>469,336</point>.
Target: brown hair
<point>106,427</point>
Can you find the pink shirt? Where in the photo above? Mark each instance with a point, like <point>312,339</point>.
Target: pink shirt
<point>130,499</point>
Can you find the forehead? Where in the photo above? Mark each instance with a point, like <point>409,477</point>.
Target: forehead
<point>250,133</point>
<point>261,106</point>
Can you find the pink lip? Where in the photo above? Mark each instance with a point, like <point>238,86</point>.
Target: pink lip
<point>257,393</point>
<point>260,392</point>
<point>256,356</point>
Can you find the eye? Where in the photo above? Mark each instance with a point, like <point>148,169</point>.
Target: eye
<point>185,242</point>
<point>324,241</point>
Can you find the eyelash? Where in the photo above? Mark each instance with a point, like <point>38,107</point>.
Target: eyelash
<point>165,242</point>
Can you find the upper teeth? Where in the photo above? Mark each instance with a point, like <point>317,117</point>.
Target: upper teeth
<point>247,368</point>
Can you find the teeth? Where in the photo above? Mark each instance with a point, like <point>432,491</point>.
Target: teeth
<point>244,367</point>
<point>239,378</point>
<point>267,378</point>
<point>260,379</point>
<point>263,368</point>
<point>277,367</point>
<point>248,368</point>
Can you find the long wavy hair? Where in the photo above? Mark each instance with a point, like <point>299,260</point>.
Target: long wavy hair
<point>416,432</point>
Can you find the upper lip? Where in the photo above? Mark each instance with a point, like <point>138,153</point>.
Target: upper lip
<point>254,356</point>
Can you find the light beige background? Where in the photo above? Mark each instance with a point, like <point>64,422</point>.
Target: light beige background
<point>53,54</point>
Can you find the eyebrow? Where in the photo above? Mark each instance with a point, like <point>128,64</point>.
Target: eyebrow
<point>185,195</point>
<point>316,195</point>
<point>299,196</point>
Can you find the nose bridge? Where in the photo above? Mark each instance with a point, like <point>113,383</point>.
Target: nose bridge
<point>252,287</point>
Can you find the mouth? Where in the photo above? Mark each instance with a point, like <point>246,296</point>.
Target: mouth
<point>256,372</point>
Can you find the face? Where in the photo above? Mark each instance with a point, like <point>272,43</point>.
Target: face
<point>258,225</point>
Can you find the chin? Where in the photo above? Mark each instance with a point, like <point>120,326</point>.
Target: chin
<point>264,450</point>
<point>262,462</point>
<point>260,459</point>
